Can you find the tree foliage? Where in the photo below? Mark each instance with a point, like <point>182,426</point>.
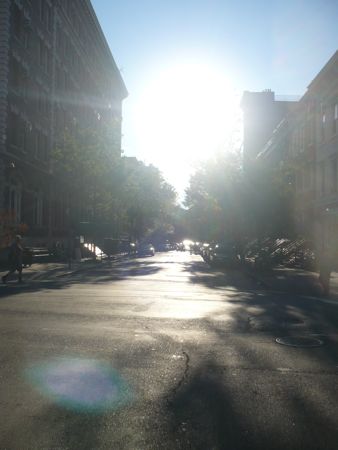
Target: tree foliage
<point>106,188</point>
<point>149,200</point>
<point>223,202</point>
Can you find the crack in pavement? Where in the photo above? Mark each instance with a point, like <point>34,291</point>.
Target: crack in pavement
<point>181,380</point>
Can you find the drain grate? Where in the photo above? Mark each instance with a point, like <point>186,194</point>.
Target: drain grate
<point>300,341</point>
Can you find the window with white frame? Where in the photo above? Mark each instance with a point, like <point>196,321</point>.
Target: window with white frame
<point>322,178</point>
<point>335,118</point>
<point>333,169</point>
<point>322,131</point>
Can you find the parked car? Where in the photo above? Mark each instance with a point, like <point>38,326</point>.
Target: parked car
<point>146,250</point>
<point>195,248</point>
<point>204,250</point>
<point>163,247</point>
<point>180,247</point>
<point>223,254</point>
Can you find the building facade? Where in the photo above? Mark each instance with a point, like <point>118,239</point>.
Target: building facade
<point>261,115</point>
<point>56,72</point>
<point>322,93</point>
<point>307,141</point>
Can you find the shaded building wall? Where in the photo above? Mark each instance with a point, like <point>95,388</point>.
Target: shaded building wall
<point>56,71</point>
<point>301,156</point>
<point>4,56</point>
<point>312,154</point>
<point>261,114</point>
<point>323,90</point>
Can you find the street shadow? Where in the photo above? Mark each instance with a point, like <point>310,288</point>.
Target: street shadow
<point>203,414</point>
<point>106,273</point>
<point>224,409</point>
<point>216,277</point>
<point>55,427</point>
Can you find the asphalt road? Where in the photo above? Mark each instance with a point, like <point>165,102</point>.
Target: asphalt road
<point>165,353</point>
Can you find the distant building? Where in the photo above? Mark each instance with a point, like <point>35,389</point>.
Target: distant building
<point>56,71</point>
<point>261,114</point>
<point>307,141</point>
<point>275,151</point>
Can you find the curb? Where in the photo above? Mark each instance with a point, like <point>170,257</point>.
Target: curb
<point>257,278</point>
<point>63,272</point>
<point>271,288</point>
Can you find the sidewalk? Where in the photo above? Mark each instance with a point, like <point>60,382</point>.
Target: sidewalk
<point>56,270</point>
<point>295,281</point>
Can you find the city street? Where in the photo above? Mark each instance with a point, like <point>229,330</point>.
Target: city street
<point>164,352</point>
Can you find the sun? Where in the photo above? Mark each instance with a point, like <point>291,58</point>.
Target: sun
<point>185,113</point>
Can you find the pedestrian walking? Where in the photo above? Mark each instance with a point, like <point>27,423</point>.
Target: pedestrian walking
<point>15,259</point>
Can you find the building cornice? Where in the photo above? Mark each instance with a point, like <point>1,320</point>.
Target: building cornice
<point>331,62</point>
<point>104,42</point>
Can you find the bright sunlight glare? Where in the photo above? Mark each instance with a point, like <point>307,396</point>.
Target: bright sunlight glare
<point>187,112</point>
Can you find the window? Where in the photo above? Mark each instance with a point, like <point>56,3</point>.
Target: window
<point>40,101</point>
<point>299,181</point>
<point>333,170</point>
<point>322,131</point>
<point>45,59</point>
<point>15,75</point>
<point>301,138</point>
<point>33,142</point>
<point>41,51</point>
<point>38,208</point>
<point>306,177</point>
<point>17,22</point>
<point>48,62</point>
<point>42,10</point>
<point>42,146</point>
<point>312,170</point>
<point>26,136</point>
<point>322,178</point>
<point>49,18</point>
<point>60,79</point>
<point>14,133</point>
<point>20,26</point>
<point>13,195</point>
<point>335,118</point>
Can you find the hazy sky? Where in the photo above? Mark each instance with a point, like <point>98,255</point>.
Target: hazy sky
<point>253,45</point>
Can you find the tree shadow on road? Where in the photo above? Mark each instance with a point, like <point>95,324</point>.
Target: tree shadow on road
<point>96,275</point>
<point>217,277</point>
<point>203,413</point>
<point>226,408</point>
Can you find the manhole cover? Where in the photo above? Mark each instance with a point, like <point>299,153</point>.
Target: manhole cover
<point>300,341</point>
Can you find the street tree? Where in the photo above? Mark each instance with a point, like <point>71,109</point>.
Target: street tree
<point>148,199</point>
<point>224,202</point>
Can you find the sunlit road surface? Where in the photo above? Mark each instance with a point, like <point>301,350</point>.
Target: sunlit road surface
<point>164,352</point>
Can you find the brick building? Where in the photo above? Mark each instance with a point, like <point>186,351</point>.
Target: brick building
<point>322,95</point>
<point>307,140</point>
<point>56,72</point>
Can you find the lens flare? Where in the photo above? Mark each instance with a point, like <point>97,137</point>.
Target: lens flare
<point>80,384</point>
